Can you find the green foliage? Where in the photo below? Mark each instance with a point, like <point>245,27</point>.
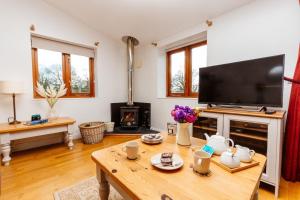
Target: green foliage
<point>195,80</point>
<point>178,82</point>
<point>50,76</point>
<point>53,76</point>
<point>79,84</point>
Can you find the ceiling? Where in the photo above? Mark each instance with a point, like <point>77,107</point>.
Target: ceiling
<point>147,20</point>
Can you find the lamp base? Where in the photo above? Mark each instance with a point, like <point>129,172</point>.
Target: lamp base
<point>14,122</point>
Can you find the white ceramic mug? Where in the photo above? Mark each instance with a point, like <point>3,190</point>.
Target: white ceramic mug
<point>244,153</point>
<point>109,126</point>
<point>131,149</point>
<point>201,162</point>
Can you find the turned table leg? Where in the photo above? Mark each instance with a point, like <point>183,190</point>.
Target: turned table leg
<point>104,185</point>
<point>5,149</point>
<point>70,141</point>
<point>69,137</point>
<point>255,196</point>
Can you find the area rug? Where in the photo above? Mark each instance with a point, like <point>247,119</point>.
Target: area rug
<point>85,190</point>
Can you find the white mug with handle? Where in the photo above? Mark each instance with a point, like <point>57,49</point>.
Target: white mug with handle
<point>131,148</point>
<point>201,162</point>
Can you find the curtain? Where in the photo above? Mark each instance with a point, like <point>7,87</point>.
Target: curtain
<point>291,157</point>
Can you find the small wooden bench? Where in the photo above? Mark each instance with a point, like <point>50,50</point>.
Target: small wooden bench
<point>9,133</point>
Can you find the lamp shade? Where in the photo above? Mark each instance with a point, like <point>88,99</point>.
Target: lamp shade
<point>11,87</point>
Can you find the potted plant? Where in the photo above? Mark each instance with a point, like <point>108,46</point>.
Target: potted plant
<point>184,116</point>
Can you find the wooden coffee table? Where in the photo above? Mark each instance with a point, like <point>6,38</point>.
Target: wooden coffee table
<point>138,179</point>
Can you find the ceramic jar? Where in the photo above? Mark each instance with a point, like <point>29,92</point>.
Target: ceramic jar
<point>183,136</point>
<point>244,153</point>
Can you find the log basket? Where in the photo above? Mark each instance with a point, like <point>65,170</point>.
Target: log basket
<point>92,132</point>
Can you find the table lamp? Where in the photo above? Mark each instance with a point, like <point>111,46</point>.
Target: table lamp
<point>12,88</point>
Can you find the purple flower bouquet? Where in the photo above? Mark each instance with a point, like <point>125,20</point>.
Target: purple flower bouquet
<point>184,114</point>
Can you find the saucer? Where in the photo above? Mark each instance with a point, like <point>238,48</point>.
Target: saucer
<point>177,162</point>
<point>152,138</point>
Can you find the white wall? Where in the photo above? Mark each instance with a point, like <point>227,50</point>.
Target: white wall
<point>15,60</point>
<point>262,28</point>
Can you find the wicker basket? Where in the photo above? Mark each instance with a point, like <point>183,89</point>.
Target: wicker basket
<point>92,132</point>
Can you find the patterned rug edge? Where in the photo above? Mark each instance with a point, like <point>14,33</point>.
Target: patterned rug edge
<point>87,189</point>
<point>56,193</point>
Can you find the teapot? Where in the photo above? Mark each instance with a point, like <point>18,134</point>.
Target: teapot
<point>218,143</point>
<point>229,159</point>
<point>244,153</point>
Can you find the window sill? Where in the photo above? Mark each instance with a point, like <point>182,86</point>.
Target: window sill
<point>65,98</point>
<point>187,98</point>
<point>72,96</point>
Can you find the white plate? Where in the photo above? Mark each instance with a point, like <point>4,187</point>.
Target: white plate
<point>177,162</point>
<point>152,141</point>
<point>157,136</point>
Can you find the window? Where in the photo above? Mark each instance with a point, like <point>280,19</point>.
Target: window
<point>183,69</point>
<point>50,67</point>
<point>53,65</point>
<point>80,74</point>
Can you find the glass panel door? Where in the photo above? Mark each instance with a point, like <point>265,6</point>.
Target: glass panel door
<point>204,125</point>
<point>250,134</point>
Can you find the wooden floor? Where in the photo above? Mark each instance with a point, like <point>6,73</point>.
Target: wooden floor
<point>36,174</point>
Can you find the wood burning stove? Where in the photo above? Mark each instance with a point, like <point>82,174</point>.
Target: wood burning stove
<point>133,117</point>
<point>140,113</point>
<point>129,117</point>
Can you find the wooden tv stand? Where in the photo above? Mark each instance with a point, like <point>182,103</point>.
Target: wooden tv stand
<point>256,130</point>
<point>241,111</point>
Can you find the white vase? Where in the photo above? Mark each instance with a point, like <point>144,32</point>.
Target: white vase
<point>183,136</point>
<point>52,114</point>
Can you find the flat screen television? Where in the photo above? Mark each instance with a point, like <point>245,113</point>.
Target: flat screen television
<point>257,82</point>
